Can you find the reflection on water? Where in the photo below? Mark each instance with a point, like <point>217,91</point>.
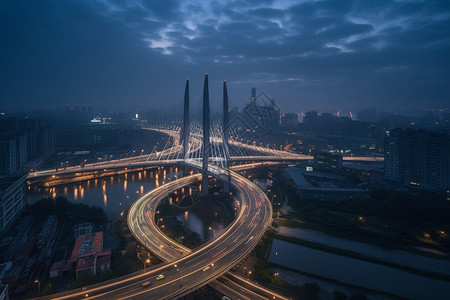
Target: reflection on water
<point>193,222</point>
<point>357,272</point>
<point>109,192</point>
<point>204,218</point>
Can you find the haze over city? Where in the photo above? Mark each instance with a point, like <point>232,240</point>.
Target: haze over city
<point>218,150</point>
<point>325,55</point>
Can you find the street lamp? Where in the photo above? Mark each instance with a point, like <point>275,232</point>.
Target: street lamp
<point>147,261</point>
<point>39,286</point>
<point>157,222</point>
<point>214,232</point>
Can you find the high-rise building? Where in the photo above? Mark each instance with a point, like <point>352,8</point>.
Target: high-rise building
<point>418,158</point>
<point>12,200</point>
<point>8,156</point>
<point>22,140</point>
<point>289,119</point>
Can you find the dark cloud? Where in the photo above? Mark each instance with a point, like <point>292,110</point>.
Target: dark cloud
<point>332,53</point>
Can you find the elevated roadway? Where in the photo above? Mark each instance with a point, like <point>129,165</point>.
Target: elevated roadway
<point>188,271</point>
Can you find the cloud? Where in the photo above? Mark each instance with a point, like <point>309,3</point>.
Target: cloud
<point>118,49</point>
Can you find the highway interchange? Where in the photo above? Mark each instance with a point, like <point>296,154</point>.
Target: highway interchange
<point>186,270</point>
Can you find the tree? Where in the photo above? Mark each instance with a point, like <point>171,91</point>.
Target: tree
<point>310,290</point>
<point>358,296</point>
<point>338,295</point>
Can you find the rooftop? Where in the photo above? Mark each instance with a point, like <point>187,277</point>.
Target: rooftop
<point>86,245</point>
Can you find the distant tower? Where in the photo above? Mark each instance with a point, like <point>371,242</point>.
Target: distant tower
<point>184,134</point>
<point>206,146</point>
<point>253,95</point>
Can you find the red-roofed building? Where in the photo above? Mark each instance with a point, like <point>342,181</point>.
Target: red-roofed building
<point>88,255</point>
<point>57,268</point>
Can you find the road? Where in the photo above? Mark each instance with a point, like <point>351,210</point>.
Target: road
<point>206,263</point>
<point>169,250</point>
<point>223,251</point>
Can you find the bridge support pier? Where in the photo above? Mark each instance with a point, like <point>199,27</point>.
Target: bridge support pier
<point>184,134</point>
<point>206,147</point>
<point>225,125</point>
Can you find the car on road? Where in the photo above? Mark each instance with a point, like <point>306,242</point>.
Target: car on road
<point>146,284</point>
<point>206,268</point>
<point>159,277</point>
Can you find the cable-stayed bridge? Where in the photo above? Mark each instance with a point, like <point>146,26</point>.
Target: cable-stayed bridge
<point>211,150</point>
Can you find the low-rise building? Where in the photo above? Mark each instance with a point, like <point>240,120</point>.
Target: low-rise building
<point>328,161</point>
<point>322,186</point>
<point>58,268</point>
<point>88,255</point>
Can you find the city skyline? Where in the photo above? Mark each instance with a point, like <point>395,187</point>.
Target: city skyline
<point>306,54</point>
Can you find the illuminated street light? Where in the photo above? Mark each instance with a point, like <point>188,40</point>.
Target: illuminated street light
<point>147,261</point>
<point>214,232</point>
<point>39,286</point>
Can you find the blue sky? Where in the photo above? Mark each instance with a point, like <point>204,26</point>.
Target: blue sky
<point>326,55</point>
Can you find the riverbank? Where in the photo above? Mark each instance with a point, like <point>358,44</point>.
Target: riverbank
<point>371,252</point>
<point>356,272</point>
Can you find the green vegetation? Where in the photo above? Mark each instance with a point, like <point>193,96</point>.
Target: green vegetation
<point>121,226</point>
<point>89,278</point>
<point>176,230</point>
<point>338,295</point>
<point>122,263</point>
<point>47,290</point>
<point>359,256</point>
<point>61,207</point>
<point>264,274</point>
<point>386,217</point>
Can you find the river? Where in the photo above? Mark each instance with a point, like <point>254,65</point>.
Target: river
<point>116,193</point>
<point>357,272</point>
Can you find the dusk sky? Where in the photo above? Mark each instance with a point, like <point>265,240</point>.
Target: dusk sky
<point>340,54</point>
